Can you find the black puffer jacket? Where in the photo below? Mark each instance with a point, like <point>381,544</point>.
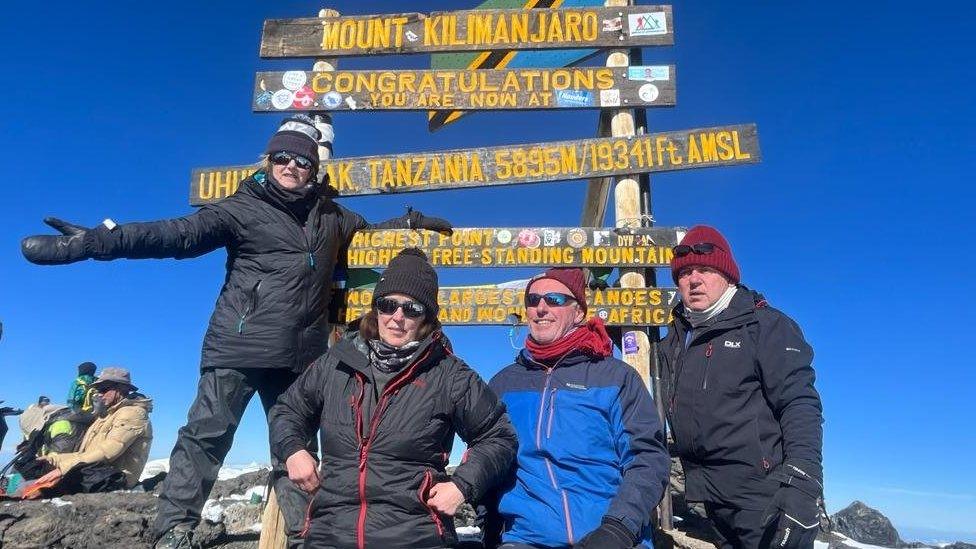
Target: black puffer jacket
<point>272,311</point>
<point>740,400</point>
<point>374,487</point>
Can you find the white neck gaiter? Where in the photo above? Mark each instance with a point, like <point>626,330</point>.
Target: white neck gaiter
<point>700,318</point>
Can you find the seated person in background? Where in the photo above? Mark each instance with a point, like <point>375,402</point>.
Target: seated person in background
<point>79,395</point>
<point>35,415</point>
<point>115,447</point>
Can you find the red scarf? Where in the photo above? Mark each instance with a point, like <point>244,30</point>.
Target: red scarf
<point>590,338</point>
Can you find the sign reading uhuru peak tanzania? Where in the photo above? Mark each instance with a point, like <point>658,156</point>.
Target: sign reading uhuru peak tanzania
<point>563,88</point>
<point>513,164</point>
<point>519,247</point>
<point>497,305</point>
<point>474,30</point>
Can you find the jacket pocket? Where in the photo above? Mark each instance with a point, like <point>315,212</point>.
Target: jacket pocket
<point>251,302</point>
<point>764,463</point>
<point>425,485</point>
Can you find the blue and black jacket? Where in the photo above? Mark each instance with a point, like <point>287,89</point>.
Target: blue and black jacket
<point>590,446</point>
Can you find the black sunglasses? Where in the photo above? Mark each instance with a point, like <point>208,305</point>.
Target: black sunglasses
<point>553,299</point>
<point>282,158</point>
<point>704,248</point>
<point>388,306</point>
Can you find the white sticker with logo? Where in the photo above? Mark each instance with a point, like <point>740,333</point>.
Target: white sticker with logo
<point>651,73</point>
<point>282,99</point>
<point>609,98</point>
<point>504,236</point>
<point>648,93</point>
<point>411,36</point>
<point>293,80</point>
<point>615,24</point>
<point>352,103</point>
<point>647,24</point>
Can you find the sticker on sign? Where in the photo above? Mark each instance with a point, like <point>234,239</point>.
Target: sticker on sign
<point>647,24</point>
<point>574,98</point>
<point>649,73</point>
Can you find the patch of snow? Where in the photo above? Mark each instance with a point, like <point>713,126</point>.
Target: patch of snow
<point>58,502</point>
<point>468,533</point>
<point>856,544</point>
<point>212,511</point>
<point>256,527</point>
<point>156,466</point>
<point>820,545</point>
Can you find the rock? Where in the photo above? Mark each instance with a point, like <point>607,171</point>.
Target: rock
<point>240,518</point>
<point>240,484</point>
<point>959,545</point>
<point>866,525</point>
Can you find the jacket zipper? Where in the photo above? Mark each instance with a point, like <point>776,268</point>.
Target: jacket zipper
<point>552,411</point>
<point>542,409</point>
<point>367,441</point>
<point>708,359</point>
<point>422,496</point>
<point>251,306</point>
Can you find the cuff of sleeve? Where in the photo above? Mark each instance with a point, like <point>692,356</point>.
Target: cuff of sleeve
<point>289,447</point>
<point>622,525</point>
<point>465,487</point>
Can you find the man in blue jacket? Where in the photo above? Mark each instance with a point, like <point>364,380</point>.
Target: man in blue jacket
<point>591,463</point>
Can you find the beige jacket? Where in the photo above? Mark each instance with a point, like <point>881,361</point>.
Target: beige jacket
<point>121,438</point>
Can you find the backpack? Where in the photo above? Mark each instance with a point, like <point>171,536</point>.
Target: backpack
<point>61,433</point>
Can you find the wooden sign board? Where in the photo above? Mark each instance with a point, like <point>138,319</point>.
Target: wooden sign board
<point>519,247</point>
<point>493,305</point>
<point>473,30</point>
<point>465,90</point>
<point>513,164</point>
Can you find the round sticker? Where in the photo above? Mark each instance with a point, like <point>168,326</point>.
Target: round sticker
<point>528,238</point>
<point>603,314</point>
<point>576,238</point>
<point>331,100</point>
<point>282,99</point>
<point>648,93</point>
<point>304,98</point>
<point>504,236</point>
<point>293,80</point>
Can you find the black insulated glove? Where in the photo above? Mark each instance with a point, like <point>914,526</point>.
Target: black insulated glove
<point>611,534</point>
<point>56,250</point>
<point>794,512</point>
<point>417,220</point>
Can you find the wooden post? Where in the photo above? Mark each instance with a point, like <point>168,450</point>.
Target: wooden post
<point>273,532</point>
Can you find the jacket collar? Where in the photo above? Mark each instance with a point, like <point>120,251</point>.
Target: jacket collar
<point>571,358</point>
<point>741,311</point>
<point>351,352</point>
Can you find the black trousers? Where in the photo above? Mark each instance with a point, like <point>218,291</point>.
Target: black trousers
<point>739,528</point>
<point>202,444</point>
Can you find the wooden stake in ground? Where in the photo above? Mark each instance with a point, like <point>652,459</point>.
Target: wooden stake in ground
<point>273,531</point>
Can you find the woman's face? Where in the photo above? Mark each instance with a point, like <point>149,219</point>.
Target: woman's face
<point>397,329</point>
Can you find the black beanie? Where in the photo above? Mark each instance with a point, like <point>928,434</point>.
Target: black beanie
<point>410,274</point>
<point>86,368</point>
<point>297,135</point>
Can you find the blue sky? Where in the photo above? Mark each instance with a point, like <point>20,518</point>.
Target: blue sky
<point>856,223</point>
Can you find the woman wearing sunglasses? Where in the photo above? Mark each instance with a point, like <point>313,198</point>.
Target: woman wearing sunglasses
<point>389,399</point>
<point>284,236</point>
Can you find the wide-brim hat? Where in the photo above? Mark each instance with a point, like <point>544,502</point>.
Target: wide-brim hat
<point>114,374</point>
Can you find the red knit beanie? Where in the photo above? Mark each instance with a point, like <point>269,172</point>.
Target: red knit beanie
<point>574,279</point>
<point>720,259</point>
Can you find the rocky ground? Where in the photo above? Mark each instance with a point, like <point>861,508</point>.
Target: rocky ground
<point>123,520</point>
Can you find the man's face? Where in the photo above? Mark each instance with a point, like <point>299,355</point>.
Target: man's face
<point>700,286</point>
<point>111,394</point>
<point>290,175</point>
<point>549,323</point>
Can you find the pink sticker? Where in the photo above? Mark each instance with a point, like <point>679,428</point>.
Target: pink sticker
<point>304,98</point>
<point>528,238</point>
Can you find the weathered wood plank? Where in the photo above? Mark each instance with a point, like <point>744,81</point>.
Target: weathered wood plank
<point>465,90</point>
<point>513,164</point>
<point>519,247</point>
<point>471,30</point>
<point>495,305</point>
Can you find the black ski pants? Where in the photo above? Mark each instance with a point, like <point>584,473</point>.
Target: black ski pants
<point>202,444</point>
<point>739,528</point>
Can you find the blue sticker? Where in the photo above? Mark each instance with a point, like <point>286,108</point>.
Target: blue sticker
<point>331,100</point>
<point>649,73</point>
<point>574,98</point>
<point>630,343</point>
<point>263,100</point>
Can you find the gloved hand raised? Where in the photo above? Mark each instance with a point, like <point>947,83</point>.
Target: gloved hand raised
<point>56,250</point>
<point>795,509</point>
<point>417,220</point>
<point>611,534</point>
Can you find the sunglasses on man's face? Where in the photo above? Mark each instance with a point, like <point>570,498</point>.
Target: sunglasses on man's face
<point>282,158</point>
<point>552,299</point>
<point>388,306</point>
<point>704,248</point>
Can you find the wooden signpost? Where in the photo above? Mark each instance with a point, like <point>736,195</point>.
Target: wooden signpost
<point>628,153</point>
<point>425,90</point>
<point>518,247</point>
<point>503,306</point>
<point>475,30</point>
<point>513,164</point>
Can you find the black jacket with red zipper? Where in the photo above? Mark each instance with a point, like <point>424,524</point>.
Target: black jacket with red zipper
<point>374,487</point>
<point>740,399</point>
